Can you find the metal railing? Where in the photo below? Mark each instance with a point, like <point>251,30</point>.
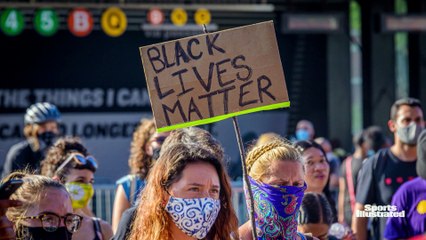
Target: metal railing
<point>103,201</point>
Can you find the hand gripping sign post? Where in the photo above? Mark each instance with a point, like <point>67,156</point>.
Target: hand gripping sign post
<point>215,76</point>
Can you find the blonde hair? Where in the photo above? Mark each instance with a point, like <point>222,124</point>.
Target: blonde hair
<point>260,158</point>
<point>267,137</point>
<point>29,194</point>
<point>30,132</point>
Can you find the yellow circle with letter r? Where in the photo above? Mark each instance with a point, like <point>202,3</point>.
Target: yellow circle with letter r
<point>114,22</point>
<point>179,16</point>
<point>202,16</point>
<point>421,207</point>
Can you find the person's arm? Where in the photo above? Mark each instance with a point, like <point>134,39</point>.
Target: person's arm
<point>359,224</point>
<point>245,231</point>
<point>106,230</point>
<point>6,226</point>
<point>341,200</point>
<point>121,203</point>
<point>365,194</point>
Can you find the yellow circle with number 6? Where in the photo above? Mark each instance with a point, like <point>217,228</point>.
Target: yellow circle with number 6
<point>202,16</point>
<point>179,16</point>
<point>114,22</point>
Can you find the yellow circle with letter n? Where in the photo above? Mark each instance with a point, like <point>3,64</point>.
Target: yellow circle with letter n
<point>202,16</point>
<point>114,22</point>
<point>179,16</point>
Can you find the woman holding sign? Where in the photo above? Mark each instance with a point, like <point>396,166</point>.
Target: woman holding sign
<point>277,180</point>
<point>187,196</point>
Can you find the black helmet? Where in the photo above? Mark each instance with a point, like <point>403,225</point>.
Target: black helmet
<point>42,112</point>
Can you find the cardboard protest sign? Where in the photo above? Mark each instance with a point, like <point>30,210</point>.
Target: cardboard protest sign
<point>214,76</point>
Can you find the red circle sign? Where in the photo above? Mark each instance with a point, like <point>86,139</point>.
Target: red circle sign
<point>155,16</point>
<point>80,22</point>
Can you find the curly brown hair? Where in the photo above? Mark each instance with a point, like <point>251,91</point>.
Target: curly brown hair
<point>58,153</point>
<point>139,161</point>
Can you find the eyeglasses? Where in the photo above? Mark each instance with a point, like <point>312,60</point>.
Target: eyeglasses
<point>80,158</point>
<point>51,221</point>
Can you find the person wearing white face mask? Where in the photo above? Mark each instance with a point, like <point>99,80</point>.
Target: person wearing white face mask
<point>383,173</point>
<point>187,196</point>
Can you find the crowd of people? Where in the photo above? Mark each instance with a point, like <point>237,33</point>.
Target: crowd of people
<point>178,186</point>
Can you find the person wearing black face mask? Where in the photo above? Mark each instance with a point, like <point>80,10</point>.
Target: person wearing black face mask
<point>144,150</point>
<point>41,129</point>
<point>45,212</point>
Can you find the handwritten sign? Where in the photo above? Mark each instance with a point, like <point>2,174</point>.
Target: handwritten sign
<point>211,77</point>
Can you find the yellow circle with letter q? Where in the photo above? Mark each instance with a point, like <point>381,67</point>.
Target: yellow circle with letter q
<point>114,22</point>
<point>202,16</point>
<point>179,16</point>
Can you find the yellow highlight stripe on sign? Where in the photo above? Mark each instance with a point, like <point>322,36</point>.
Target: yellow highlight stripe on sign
<point>223,117</point>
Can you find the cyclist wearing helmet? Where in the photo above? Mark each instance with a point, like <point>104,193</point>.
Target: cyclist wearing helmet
<point>41,128</point>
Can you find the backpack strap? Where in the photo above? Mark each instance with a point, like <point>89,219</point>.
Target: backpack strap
<point>350,182</point>
<point>97,228</point>
<point>132,190</point>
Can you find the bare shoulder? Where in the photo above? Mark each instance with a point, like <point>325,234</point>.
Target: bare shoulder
<point>245,231</point>
<point>106,229</point>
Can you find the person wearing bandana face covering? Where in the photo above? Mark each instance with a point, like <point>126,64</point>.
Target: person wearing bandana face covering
<point>277,180</point>
<point>187,197</point>
<point>41,129</point>
<point>69,162</point>
<point>144,150</point>
<point>383,173</point>
<point>45,212</point>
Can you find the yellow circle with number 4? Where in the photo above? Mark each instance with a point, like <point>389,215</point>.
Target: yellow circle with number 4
<point>202,16</point>
<point>421,207</point>
<point>179,16</point>
<point>114,22</point>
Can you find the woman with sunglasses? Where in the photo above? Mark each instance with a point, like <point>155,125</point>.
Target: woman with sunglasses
<point>145,147</point>
<point>45,212</point>
<point>69,162</point>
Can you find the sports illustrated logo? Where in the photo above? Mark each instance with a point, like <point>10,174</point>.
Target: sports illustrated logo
<point>379,211</point>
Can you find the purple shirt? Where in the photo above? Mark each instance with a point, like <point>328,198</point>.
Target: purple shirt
<point>410,197</point>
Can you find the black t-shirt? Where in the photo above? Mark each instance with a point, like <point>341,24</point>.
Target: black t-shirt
<point>356,165</point>
<point>380,176</point>
<point>20,157</point>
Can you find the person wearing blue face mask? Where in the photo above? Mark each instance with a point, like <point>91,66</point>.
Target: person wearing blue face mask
<point>41,129</point>
<point>304,130</point>
<point>45,212</point>
<point>277,180</point>
<point>187,196</point>
<point>382,174</point>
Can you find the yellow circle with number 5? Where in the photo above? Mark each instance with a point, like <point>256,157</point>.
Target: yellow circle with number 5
<point>202,16</point>
<point>179,17</point>
<point>114,22</point>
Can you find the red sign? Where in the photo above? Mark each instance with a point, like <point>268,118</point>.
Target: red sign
<point>155,16</point>
<point>80,22</point>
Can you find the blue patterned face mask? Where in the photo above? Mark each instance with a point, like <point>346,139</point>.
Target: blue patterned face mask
<point>276,210</point>
<point>194,216</point>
